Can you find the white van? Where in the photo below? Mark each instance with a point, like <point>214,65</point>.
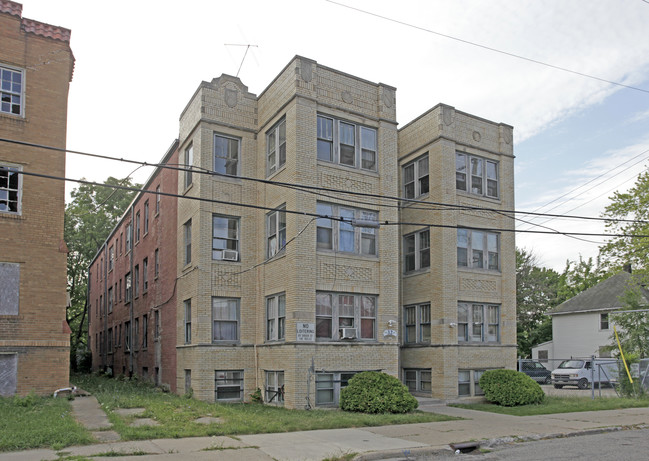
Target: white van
<point>580,372</point>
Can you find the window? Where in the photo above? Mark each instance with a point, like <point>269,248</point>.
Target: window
<point>156,271</point>
<point>189,161</point>
<point>111,258</point>
<point>478,249</point>
<point>228,385</point>
<point>416,178</point>
<point>9,373</point>
<point>478,323</point>
<point>120,290</point>
<point>156,324</point>
<point>157,200</point>
<point>136,334</point>
<point>467,382</point>
<point>145,331</point>
<point>276,147</point>
<point>137,227</point>
<point>10,288</point>
<point>328,386</point>
<point>276,231</point>
<point>225,238</point>
<point>417,380</point>
<point>346,143</point>
<point>129,229</point>
<point>226,155</point>
<point>225,319</point>
<point>187,232</point>
<point>476,175</point>
<point>275,317</point>
<point>110,300</point>
<point>146,217</point>
<point>120,242</point>
<point>11,91</point>
<point>127,336</point>
<point>136,280</point>
<point>603,321</point>
<point>10,187</point>
<point>337,235</point>
<point>416,250</point>
<point>188,320</point>
<point>274,387</point>
<point>145,275</point>
<point>345,316</point>
<point>417,323</point>
<point>127,288</point>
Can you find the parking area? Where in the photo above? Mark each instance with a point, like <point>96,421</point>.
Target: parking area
<point>572,391</point>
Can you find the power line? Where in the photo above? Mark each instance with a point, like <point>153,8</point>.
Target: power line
<point>495,50</point>
<point>317,215</point>
<point>306,188</point>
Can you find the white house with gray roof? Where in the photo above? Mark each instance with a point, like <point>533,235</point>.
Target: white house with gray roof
<point>582,326</point>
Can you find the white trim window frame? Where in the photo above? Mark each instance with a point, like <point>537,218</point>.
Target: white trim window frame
<point>226,154</point>
<point>12,91</point>
<point>478,249</point>
<point>228,385</point>
<point>604,322</point>
<point>275,231</point>
<point>346,143</point>
<point>335,311</point>
<point>225,238</point>
<point>416,321</point>
<point>478,323</point>
<point>189,165</point>
<point>276,147</point>
<point>11,185</point>
<point>339,235</point>
<point>274,389</point>
<point>416,178</point>
<point>416,251</point>
<point>276,317</point>
<point>225,320</point>
<point>476,175</point>
<point>418,379</point>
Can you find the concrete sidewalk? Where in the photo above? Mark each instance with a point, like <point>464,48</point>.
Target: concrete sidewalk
<point>371,443</point>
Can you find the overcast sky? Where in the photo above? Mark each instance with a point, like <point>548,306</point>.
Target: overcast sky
<point>139,62</point>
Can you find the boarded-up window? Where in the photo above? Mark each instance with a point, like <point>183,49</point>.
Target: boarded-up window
<point>8,373</point>
<point>9,288</point>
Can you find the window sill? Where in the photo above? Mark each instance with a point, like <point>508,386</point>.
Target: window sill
<point>417,272</point>
<point>418,198</point>
<point>479,271</point>
<point>277,171</point>
<point>187,189</point>
<point>345,254</point>
<point>466,194</point>
<point>347,168</point>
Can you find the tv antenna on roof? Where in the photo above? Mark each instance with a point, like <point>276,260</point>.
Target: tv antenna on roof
<point>244,55</point>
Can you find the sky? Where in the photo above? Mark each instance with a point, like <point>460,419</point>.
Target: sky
<point>577,139</point>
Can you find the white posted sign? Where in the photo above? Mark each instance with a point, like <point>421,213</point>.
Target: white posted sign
<point>306,332</point>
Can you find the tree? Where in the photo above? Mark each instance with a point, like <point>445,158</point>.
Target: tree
<point>579,276</point>
<point>89,217</point>
<point>536,293</point>
<point>633,206</point>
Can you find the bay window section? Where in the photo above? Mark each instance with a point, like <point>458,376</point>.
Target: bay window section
<point>338,232</point>
<point>276,147</point>
<point>226,155</point>
<point>416,248</point>
<point>478,249</point>
<point>276,317</point>
<point>478,323</point>
<point>276,231</point>
<point>476,175</point>
<point>346,143</point>
<point>417,323</point>
<point>345,316</point>
<point>416,178</point>
<point>225,319</point>
<point>225,238</point>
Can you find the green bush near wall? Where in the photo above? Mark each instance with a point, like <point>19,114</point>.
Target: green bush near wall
<point>375,392</point>
<point>510,388</point>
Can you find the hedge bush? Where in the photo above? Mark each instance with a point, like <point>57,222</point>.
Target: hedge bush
<point>510,388</point>
<point>374,392</point>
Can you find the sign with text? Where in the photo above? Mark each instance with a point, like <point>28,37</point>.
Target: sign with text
<point>305,331</point>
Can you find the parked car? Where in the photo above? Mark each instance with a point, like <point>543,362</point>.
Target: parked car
<point>535,370</point>
<point>580,373</point>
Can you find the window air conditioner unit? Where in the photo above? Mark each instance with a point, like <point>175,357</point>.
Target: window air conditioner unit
<point>230,255</point>
<point>348,333</point>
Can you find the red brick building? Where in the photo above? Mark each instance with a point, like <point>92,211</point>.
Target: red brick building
<point>132,291</point>
<point>36,65</point>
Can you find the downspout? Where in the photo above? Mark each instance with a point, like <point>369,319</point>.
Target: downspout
<point>131,317</point>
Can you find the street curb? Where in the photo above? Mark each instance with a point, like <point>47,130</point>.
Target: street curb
<point>490,443</point>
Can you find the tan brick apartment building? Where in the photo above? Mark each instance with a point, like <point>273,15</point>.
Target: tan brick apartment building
<point>294,289</point>
<point>36,66</point>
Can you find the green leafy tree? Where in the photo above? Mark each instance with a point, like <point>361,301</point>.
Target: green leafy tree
<point>579,276</point>
<point>89,217</point>
<point>536,292</point>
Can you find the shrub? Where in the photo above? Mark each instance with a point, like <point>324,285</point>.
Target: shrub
<point>374,392</point>
<point>510,388</point>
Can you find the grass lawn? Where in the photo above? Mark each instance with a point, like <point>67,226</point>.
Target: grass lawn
<point>553,405</point>
<point>176,414</point>
<point>32,422</point>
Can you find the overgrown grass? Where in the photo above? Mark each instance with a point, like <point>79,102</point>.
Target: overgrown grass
<point>176,414</point>
<point>34,422</point>
<point>552,405</point>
